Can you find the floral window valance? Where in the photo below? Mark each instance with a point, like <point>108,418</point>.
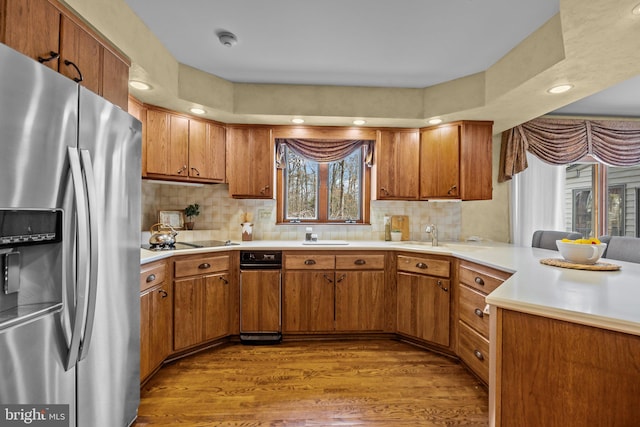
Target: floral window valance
<point>565,141</point>
<point>322,150</point>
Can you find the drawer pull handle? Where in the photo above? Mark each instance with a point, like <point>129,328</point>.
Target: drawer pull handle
<point>359,262</point>
<point>479,281</point>
<point>422,265</point>
<point>151,278</point>
<point>478,354</point>
<point>478,312</point>
<point>163,293</point>
<point>204,266</point>
<point>441,286</point>
<point>309,262</point>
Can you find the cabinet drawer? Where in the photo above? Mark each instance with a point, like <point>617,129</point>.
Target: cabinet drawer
<point>471,308</point>
<point>359,262</point>
<point>201,265</point>
<point>473,349</point>
<point>421,265</point>
<point>151,275</point>
<point>484,279</point>
<point>309,262</point>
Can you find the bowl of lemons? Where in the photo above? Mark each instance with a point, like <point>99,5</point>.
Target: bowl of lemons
<point>581,251</point>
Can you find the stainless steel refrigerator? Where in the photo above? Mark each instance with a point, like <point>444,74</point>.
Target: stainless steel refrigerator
<point>69,251</point>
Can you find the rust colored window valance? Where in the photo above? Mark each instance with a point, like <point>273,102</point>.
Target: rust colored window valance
<point>565,141</point>
<point>323,150</point>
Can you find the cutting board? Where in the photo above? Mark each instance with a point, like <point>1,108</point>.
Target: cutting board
<point>400,223</point>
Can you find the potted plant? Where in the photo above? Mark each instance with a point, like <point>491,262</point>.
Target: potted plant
<point>190,212</point>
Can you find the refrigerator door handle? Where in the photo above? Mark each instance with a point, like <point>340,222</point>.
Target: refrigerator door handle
<point>93,257</point>
<point>82,281</point>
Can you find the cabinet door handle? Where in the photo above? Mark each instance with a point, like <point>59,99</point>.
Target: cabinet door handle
<point>75,79</point>
<point>478,354</point>
<point>330,280</point>
<point>453,187</point>
<point>359,262</point>
<point>341,278</point>
<point>151,278</point>
<point>204,266</point>
<point>478,312</point>
<point>422,265</point>
<point>52,55</point>
<point>224,279</point>
<point>442,286</point>
<point>264,189</point>
<point>196,170</point>
<point>479,280</point>
<point>182,169</point>
<point>384,191</point>
<point>163,293</point>
<point>309,262</point>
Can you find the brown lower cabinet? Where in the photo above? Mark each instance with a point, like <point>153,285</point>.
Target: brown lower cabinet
<point>557,373</point>
<point>201,300</point>
<point>156,317</point>
<point>423,298</point>
<point>333,293</point>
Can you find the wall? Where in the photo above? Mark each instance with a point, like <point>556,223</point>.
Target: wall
<point>221,213</point>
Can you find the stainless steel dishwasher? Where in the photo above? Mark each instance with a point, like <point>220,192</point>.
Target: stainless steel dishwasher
<point>260,297</point>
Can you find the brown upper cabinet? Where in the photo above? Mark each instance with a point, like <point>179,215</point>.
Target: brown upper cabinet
<point>48,32</point>
<point>456,161</point>
<point>397,164</point>
<point>182,148</point>
<point>250,162</point>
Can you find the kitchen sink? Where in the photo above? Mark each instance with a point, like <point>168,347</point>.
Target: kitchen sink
<point>454,246</point>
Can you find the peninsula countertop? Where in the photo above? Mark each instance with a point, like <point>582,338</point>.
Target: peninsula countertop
<point>605,299</point>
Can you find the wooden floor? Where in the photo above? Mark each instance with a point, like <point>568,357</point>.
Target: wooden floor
<point>337,383</point>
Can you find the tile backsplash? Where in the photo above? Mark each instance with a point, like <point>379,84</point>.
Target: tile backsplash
<point>220,214</point>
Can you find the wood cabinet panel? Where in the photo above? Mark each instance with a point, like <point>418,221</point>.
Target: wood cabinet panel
<point>145,335</point>
<point>157,142</point>
<point>557,373</point>
<point>250,162</point>
<point>188,312</point>
<point>473,349</point>
<point>80,48</point>
<point>309,262</point>
<point>31,27</point>
<point>115,79</point>
<point>423,265</point>
<point>397,165</point>
<point>476,179</point>
<point>260,301</point>
<point>152,275</point>
<point>359,262</point>
<point>359,300</point>
<point>200,265</point>
<point>439,162</point>
<point>216,306</point>
<point>308,301</point>
<point>206,151</point>
<point>482,278</point>
<point>178,146</point>
<point>472,310</point>
<point>423,307</point>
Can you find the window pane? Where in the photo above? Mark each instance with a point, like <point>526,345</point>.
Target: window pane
<point>345,182</point>
<point>579,197</point>
<point>301,186</point>
<point>623,201</point>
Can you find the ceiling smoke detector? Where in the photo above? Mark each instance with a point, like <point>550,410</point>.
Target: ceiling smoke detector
<point>227,39</point>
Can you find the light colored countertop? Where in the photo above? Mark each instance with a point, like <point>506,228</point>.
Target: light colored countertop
<point>606,299</point>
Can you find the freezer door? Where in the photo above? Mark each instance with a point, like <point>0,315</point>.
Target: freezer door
<point>108,372</point>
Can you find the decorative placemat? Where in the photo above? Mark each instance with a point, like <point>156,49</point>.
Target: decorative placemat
<point>598,266</point>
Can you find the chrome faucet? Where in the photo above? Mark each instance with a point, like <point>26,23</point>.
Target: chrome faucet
<point>433,231</point>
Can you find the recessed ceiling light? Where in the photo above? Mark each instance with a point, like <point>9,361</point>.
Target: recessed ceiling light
<point>297,121</point>
<point>560,88</point>
<point>359,122</point>
<point>196,110</point>
<point>435,121</point>
<point>636,9</point>
<point>136,84</point>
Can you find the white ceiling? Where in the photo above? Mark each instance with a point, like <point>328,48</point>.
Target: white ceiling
<point>400,43</point>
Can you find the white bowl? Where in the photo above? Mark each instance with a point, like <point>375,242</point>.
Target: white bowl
<point>580,253</point>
